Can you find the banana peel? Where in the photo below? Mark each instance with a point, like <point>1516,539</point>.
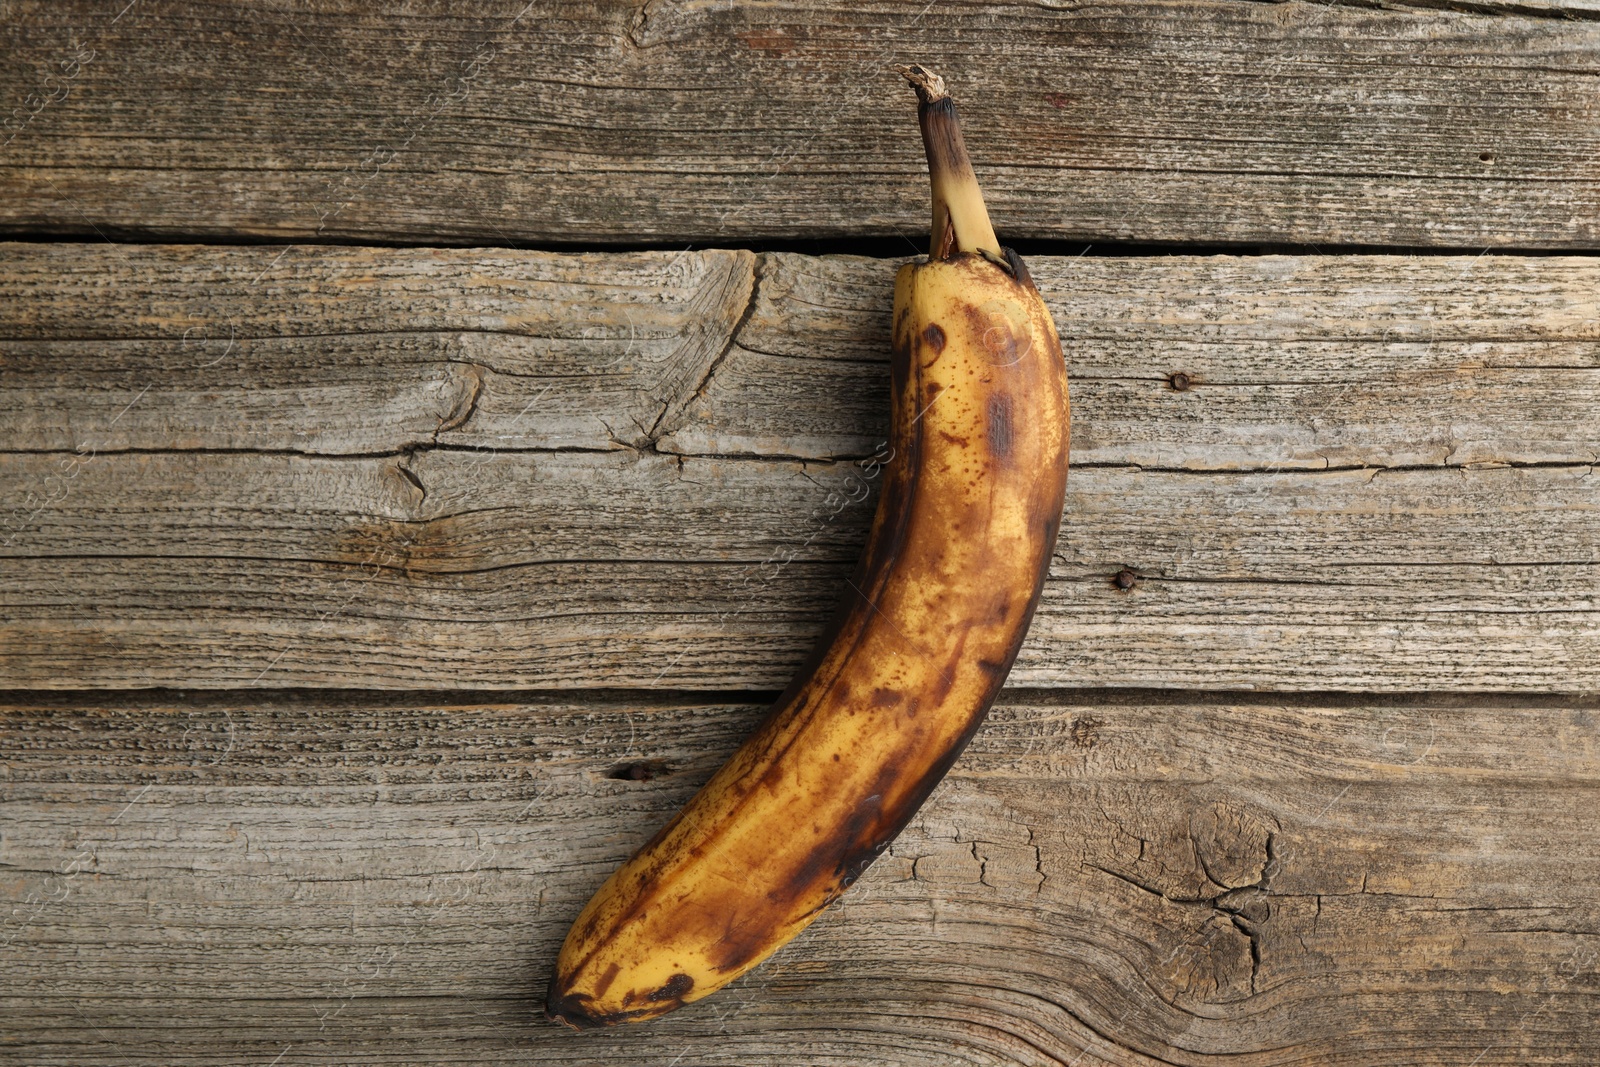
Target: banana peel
<point>932,620</point>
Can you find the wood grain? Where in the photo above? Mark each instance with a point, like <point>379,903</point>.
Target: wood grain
<point>354,350</point>
<point>284,477</point>
<point>581,569</point>
<point>470,468</point>
<point>1117,879</point>
<point>1291,362</point>
<point>1430,124</point>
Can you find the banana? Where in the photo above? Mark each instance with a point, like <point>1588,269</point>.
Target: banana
<point>939,604</point>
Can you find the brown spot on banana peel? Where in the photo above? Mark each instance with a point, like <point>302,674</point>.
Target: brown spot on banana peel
<point>674,989</point>
<point>998,439</point>
<point>572,1009</point>
<point>606,979</point>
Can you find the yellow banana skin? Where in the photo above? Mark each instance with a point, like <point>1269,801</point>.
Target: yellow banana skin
<point>933,618</point>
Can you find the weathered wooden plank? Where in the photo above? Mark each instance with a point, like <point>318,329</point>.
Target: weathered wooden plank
<point>342,350</point>
<point>1328,505</point>
<point>503,120</point>
<point>630,569</point>
<point>1118,879</point>
<point>1288,362</point>
<point>1293,362</point>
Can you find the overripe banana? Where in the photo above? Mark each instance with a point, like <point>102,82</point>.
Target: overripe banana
<point>952,570</point>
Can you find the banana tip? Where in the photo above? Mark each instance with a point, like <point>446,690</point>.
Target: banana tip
<point>929,86</point>
<point>566,1009</point>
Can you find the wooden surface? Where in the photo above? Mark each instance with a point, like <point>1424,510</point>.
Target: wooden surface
<point>675,121</point>
<point>398,468</point>
<point>362,605</point>
<point>1105,878</point>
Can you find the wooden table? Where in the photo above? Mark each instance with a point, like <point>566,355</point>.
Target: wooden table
<point>431,437</point>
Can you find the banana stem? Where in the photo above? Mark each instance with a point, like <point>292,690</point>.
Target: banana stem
<point>960,221</point>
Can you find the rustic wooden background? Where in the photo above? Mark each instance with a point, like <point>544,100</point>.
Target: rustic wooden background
<point>431,434</point>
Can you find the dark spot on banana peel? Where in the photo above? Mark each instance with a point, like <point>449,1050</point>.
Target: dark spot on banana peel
<point>885,698</point>
<point>674,989</point>
<point>1001,433</point>
<point>849,850</point>
<point>899,369</point>
<point>947,676</point>
<point>934,336</point>
<point>573,1014</point>
<point>571,1009</point>
<point>738,947</point>
<point>606,979</point>
<point>858,866</point>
